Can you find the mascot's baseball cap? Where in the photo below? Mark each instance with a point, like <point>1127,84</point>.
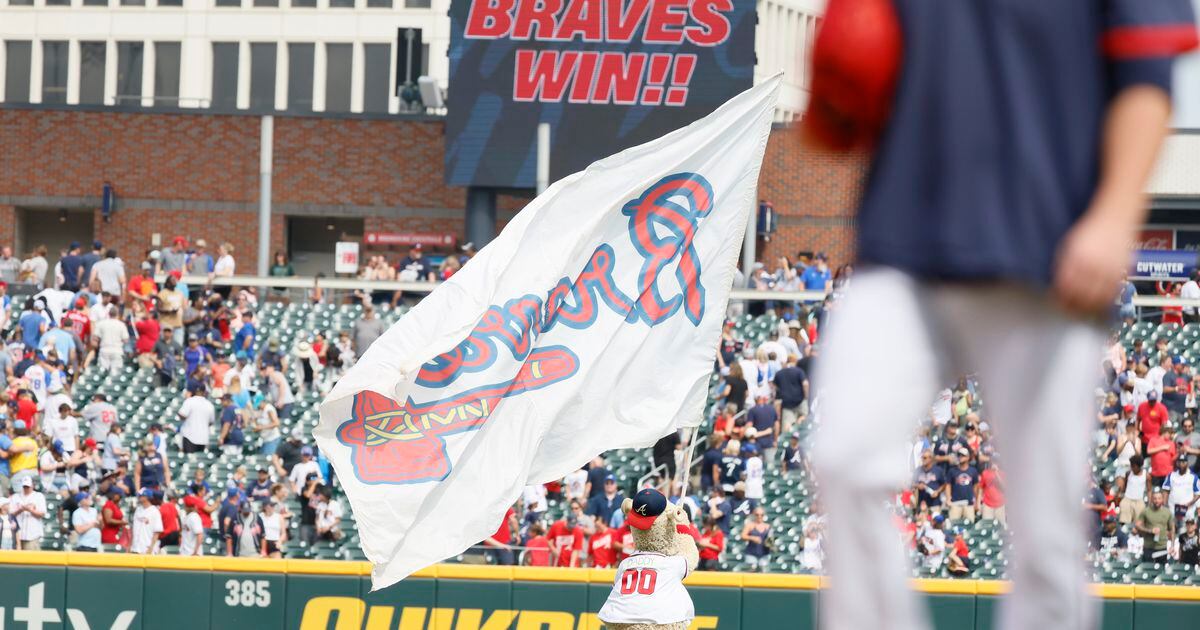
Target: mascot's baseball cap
<point>647,506</point>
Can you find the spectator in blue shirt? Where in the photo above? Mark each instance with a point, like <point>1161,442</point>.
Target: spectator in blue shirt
<point>33,322</point>
<point>232,437</point>
<point>765,421</point>
<point>929,483</point>
<point>229,508</point>
<point>817,277</point>
<point>964,487</point>
<point>91,258</point>
<point>243,341</point>
<point>604,504</point>
<point>58,340</point>
<point>195,354</point>
<point>71,266</point>
<point>710,467</point>
<point>732,466</point>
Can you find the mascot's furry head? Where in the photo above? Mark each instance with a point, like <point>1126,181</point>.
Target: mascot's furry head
<point>657,525</point>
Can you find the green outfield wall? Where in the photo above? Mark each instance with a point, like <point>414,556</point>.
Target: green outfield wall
<point>50,590</point>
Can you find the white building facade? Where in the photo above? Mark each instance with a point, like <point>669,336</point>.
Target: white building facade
<point>334,56</point>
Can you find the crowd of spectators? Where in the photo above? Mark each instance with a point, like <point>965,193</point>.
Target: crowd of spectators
<point>1142,501</point>
<point>239,384</point>
<point>71,464</point>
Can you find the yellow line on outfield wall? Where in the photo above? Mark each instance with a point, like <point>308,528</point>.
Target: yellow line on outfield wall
<point>542,574</point>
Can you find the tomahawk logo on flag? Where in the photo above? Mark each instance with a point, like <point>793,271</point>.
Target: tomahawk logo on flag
<point>590,323</point>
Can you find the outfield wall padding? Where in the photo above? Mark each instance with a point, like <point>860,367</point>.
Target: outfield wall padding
<point>128,592</point>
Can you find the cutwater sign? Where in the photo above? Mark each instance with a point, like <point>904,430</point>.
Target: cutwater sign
<point>1164,264</point>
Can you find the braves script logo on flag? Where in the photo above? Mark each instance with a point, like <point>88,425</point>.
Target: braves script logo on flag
<point>395,443</point>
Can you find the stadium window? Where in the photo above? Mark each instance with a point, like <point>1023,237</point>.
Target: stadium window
<point>133,3</point>
<point>92,56</point>
<point>225,75</point>
<point>166,74</point>
<point>262,76</point>
<point>170,3</point>
<point>341,4</point>
<point>17,58</point>
<point>55,58</point>
<point>97,3</point>
<point>228,3</point>
<point>377,77</point>
<point>338,59</point>
<point>417,4</point>
<point>304,4</point>
<point>64,3</point>
<point>379,4</point>
<point>300,77</point>
<point>20,3</point>
<point>129,73</point>
<point>266,3</point>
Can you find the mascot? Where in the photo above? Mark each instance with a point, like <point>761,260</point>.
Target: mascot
<point>648,592</point>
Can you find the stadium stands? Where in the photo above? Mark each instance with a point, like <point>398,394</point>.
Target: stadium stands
<point>788,496</point>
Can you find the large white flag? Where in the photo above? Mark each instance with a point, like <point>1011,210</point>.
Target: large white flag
<point>590,323</point>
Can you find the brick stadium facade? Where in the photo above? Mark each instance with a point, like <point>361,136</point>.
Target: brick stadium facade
<point>197,175</point>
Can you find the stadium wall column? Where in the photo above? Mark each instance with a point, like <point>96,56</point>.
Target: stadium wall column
<point>481,215</point>
<point>266,151</point>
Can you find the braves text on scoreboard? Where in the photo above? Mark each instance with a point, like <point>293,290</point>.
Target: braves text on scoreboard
<point>605,74</point>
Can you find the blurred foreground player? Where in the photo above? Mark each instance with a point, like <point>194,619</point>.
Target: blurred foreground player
<point>993,235</point>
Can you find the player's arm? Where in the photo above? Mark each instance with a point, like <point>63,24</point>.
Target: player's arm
<point>1087,274</point>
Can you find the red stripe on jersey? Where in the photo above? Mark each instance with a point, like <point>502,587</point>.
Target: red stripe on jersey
<point>1141,42</point>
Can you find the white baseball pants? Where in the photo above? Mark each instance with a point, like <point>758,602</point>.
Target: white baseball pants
<point>892,342</point>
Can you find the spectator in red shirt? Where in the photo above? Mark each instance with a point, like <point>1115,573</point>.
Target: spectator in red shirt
<point>991,490</point>
<point>600,546</point>
<point>27,410</point>
<point>148,331</point>
<point>1171,314</point>
<point>712,545</point>
<point>623,541</point>
<point>1161,450</point>
<point>566,541</point>
<point>141,287</point>
<point>724,422</point>
<point>198,497</point>
<point>76,320</point>
<point>958,560</point>
<point>1151,415</point>
<point>498,546</point>
<point>539,547</point>
<point>170,520</point>
<point>112,518</point>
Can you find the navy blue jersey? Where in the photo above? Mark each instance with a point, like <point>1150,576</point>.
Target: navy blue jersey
<point>992,151</point>
<point>963,483</point>
<point>731,470</point>
<point>152,470</point>
<point>934,479</point>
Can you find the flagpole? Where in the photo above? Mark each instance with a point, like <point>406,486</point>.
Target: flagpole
<point>686,468</point>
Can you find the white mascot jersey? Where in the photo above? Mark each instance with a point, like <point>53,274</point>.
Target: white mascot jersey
<point>649,589</point>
